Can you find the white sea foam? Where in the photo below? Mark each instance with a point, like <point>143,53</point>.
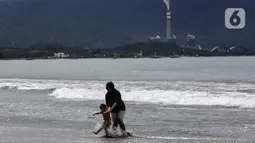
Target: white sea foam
<point>182,138</point>
<point>227,99</point>
<point>173,93</point>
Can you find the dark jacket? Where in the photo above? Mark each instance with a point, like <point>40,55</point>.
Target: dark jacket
<point>114,96</point>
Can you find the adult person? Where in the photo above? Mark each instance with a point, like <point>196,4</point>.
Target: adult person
<point>116,107</point>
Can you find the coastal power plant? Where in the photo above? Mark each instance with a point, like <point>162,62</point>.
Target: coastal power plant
<point>190,40</point>
<point>168,37</point>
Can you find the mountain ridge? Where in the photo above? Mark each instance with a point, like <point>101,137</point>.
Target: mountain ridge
<point>107,24</point>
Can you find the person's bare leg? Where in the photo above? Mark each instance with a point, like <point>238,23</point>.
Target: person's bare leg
<point>121,115</point>
<point>99,130</point>
<point>106,126</point>
<point>114,120</point>
<point>106,132</point>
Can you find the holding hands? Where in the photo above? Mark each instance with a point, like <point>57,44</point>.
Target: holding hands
<point>108,111</point>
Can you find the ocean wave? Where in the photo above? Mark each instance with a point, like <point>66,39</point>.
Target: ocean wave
<point>227,99</point>
<point>239,95</point>
<point>25,84</point>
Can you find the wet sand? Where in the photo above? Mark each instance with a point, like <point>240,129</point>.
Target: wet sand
<point>29,117</point>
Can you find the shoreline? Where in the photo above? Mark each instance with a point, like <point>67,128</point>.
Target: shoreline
<point>125,58</point>
<point>153,50</point>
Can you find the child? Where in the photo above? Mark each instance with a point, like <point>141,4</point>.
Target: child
<point>107,120</point>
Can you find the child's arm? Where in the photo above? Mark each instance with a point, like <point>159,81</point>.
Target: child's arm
<point>97,113</point>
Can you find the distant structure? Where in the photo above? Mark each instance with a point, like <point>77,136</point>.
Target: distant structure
<point>239,50</point>
<point>60,55</point>
<point>168,20</point>
<point>221,49</point>
<point>190,42</point>
<point>154,38</point>
<point>139,55</point>
<point>116,56</point>
<point>169,37</point>
<point>155,56</point>
<point>232,48</point>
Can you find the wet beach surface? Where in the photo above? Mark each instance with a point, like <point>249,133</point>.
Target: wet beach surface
<point>28,117</point>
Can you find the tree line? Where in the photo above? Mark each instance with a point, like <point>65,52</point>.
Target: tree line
<point>46,50</point>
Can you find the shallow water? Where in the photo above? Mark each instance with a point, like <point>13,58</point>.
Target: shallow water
<point>35,117</point>
<point>168,100</point>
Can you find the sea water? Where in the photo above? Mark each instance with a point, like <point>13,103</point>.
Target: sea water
<point>185,99</point>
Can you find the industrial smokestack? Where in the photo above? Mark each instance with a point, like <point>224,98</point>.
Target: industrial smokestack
<point>168,20</point>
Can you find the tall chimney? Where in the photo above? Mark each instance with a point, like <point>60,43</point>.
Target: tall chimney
<point>168,20</point>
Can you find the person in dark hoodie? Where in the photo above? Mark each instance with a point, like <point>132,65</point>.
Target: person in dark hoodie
<point>116,107</point>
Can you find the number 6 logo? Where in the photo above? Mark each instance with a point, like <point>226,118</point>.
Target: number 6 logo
<point>235,18</point>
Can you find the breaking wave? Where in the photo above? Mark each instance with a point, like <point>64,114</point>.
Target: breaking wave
<point>170,93</point>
